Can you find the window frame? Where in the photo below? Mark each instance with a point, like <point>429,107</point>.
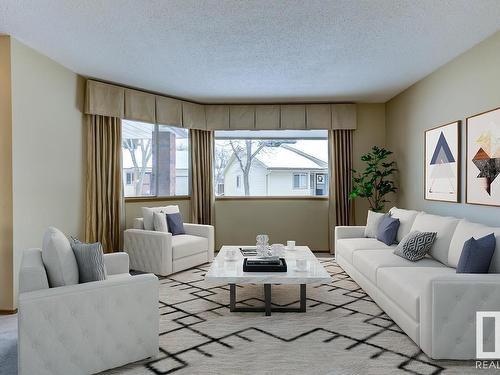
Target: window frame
<point>299,175</point>
<point>267,197</point>
<point>155,169</point>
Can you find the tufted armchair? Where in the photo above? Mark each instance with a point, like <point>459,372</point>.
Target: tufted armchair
<point>164,254</point>
<point>85,328</point>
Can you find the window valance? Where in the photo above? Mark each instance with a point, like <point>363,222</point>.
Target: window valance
<point>116,101</point>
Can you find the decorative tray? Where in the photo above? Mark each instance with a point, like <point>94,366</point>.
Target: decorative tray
<point>254,265</point>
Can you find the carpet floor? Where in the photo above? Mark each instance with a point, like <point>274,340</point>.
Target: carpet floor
<point>343,332</point>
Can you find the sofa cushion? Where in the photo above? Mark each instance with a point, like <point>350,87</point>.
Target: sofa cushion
<point>373,220</point>
<point>185,245</point>
<point>59,259</point>
<point>368,262</point>
<point>444,228</point>
<point>148,212</point>
<point>406,219</point>
<point>347,246</point>
<point>465,230</point>
<point>400,284</point>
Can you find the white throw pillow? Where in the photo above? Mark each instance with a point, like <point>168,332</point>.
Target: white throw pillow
<point>372,222</point>
<point>59,259</point>
<point>160,222</point>
<point>148,212</point>
<point>443,226</point>
<point>406,219</point>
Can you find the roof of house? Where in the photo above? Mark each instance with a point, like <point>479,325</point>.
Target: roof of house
<point>287,157</point>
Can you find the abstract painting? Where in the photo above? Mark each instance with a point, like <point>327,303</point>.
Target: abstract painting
<point>442,162</point>
<point>483,158</point>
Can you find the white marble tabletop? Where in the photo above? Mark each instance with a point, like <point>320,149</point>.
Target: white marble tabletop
<point>231,271</point>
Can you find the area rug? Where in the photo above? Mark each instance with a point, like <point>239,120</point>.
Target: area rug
<point>342,332</point>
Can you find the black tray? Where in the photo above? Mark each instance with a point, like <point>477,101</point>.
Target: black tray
<point>265,268</point>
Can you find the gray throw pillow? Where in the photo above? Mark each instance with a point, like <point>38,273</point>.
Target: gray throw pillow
<point>373,220</point>
<point>90,260</point>
<point>175,224</point>
<point>415,245</point>
<point>388,229</point>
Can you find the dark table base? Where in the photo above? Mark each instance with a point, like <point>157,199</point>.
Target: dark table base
<point>267,302</point>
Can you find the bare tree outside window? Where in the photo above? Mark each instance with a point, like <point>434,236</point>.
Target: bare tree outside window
<point>245,153</point>
<point>144,146</point>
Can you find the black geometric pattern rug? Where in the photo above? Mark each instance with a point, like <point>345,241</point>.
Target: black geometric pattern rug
<point>342,332</point>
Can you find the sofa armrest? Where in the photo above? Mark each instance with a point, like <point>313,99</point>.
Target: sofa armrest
<point>88,328</point>
<point>448,313</point>
<point>116,263</point>
<point>352,231</point>
<point>202,230</point>
<point>149,251</point>
<point>32,274</point>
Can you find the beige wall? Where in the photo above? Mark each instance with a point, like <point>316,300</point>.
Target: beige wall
<point>237,222</point>
<point>6,274</point>
<point>467,85</point>
<point>133,209</point>
<point>370,132</point>
<point>47,139</point>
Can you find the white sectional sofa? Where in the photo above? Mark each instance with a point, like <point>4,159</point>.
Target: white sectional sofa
<point>435,306</point>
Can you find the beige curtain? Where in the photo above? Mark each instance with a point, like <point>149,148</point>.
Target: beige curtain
<point>103,221</point>
<point>202,197</point>
<point>341,211</point>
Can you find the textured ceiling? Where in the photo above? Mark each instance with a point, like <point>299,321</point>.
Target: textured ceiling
<point>244,51</point>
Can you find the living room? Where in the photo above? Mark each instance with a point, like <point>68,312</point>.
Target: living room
<point>177,139</point>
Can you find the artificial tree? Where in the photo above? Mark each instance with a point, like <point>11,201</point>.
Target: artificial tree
<point>375,182</point>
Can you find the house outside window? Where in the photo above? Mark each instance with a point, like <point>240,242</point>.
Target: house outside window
<point>271,163</point>
<point>155,160</point>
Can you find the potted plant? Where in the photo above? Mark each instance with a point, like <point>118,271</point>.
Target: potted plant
<point>375,182</point>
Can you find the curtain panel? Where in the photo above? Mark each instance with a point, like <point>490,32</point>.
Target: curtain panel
<point>341,212</point>
<point>202,197</point>
<point>104,202</point>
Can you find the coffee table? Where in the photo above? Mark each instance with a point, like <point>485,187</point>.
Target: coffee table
<point>231,272</point>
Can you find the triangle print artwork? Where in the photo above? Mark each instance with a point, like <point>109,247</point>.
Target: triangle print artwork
<point>442,174</point>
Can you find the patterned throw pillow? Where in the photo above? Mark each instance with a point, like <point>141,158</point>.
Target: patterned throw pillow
<point>90,260</point>
<point>415,245</point>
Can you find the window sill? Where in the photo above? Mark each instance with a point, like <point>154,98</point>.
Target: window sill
<point>157,199</point>
<point>278,197</point>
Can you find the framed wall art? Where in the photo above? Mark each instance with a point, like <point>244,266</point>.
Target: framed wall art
<point>442,163</point>
<point>483,158</point>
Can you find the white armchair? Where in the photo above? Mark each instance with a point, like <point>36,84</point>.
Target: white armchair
<point>85,328</point>
<point>164,254</point>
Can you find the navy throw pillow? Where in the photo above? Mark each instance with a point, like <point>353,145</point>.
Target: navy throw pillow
<point>476,255</point>
<point>175,224</point>
<point>388,229</point>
